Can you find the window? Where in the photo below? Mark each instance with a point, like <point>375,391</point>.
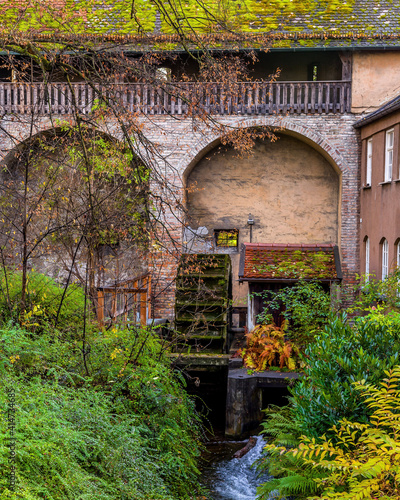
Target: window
<point>227,238</point>
<point>313,72</point>
<point>366,258</point>
<point>398,254</point>
<point>368,174</point>
<point>385,259</point>
<point>389,155</point>
<point>164,74</point>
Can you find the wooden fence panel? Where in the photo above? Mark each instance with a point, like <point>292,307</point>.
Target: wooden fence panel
<point>243,98</point>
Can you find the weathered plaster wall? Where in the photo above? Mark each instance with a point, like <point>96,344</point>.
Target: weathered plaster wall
<point>289,188</point>
<point>376,77</point>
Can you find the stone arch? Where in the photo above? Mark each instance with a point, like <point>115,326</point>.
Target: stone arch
<point>20,133</point>
<point>283,125</point>
<point>291,189</point>
<point>53,259</point>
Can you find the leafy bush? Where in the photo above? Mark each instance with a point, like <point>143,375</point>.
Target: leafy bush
<point>79,444</point>
<point>371,292</point>
<point>306,306</point>
<point>364,464</point>
<point>268,347</point>
<point>129,431</point>
<point>44,297</point>
<point>341,355</point>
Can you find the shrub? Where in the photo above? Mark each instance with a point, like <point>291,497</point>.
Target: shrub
<point>341,355</point>
<point>371,292</point>
<point>306,306</point>
<point>44,297</point>
<point>129,431</point>
<point>78,444</point>
<point>364,464</point>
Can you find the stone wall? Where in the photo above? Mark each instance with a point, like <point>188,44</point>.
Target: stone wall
<point>182,143</point>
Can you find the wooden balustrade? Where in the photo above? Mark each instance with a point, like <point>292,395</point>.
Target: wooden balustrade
<point>127,302</point>
<point>237,98</point>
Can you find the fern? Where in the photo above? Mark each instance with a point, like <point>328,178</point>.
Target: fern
<point>291,476</point>
<point>281,426</point>
<point>267,346</point>
<point>294,479</point>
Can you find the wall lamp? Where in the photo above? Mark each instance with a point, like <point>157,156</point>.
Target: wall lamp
<point>250,222</point>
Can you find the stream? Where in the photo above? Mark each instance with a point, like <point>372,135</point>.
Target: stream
<point>230,478</point>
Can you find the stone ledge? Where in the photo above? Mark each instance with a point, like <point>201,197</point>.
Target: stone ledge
<point>200,359</point>
<point>265,379</point>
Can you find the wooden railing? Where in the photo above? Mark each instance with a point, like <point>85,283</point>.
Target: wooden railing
<point>127,302</point>
<point>247,98</point>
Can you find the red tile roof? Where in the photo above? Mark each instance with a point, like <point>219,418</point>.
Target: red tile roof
<point>289,262</point>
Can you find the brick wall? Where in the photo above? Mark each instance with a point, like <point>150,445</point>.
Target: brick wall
<point>181,142</point>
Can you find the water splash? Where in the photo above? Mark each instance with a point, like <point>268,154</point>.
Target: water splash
<point>235,479</point>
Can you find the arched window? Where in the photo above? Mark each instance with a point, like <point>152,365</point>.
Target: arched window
<point>366,243</point>
<point>389,155</point>
<point>385,259</point>
<point>368,175</point>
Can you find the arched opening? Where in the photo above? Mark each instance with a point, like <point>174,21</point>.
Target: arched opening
<point>286,192</point>
<point>397,253</point>
<point>71,204</point>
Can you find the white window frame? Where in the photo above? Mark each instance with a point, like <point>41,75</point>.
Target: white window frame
<point>398,266</point>
<point>389,141</point>
<point>398,254</point>
<point>367,259</point>
<point>368,173</point>
<point>385,259</point>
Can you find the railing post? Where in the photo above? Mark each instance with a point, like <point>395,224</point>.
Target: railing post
<point>320,96</point>
<point>306,93</point>
<point>100,307</point>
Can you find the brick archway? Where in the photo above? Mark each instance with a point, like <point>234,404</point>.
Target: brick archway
<point>284,125</point>
<point>13,135</point>
<point>336,140</point>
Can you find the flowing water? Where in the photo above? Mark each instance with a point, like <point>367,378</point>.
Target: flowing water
<point>230,478</point>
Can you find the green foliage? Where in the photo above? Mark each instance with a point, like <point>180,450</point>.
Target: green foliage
<point>280,425</point>
<point>370,292</point>
<point>129,431</point>
<point>43,300</point>
<point>364,464</point>
<point>341,355</point>
<point>305,305</point>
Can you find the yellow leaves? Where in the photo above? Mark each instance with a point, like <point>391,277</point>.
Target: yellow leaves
<point>365,461</point>
<point>116,352</point>
<point>14,359</point>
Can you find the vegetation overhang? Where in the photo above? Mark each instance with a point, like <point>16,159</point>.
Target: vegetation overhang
<point>256,40</point>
